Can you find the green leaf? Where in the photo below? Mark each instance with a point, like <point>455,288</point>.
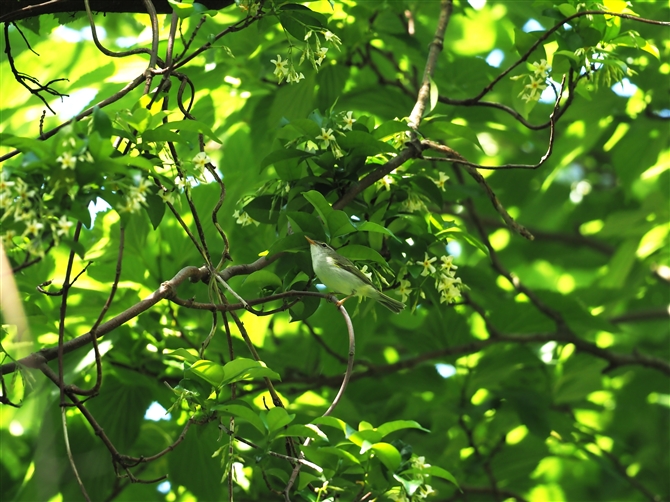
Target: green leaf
<point>284,154</point>
<point>189,355</point>
<point>437,128</point>
<point>388,455</point>
<point>305,222</point>
<point>155,209</point>
<point>101,123</point>
<point>369,436</point>
<point>567,9</point>
<point>339,224</point>
<point>186,125</point>
<point>244,412</point>
<point>363,143</point>
<point>434,94</point>
<point>290,243</point>
<point>306,127</point>
<point>299,430</point>
<point>389,129</point>
<point>358,252</point>
<point>242,368</point>
<point>397,425</point>
<point>369,226</point>
<point>209,371</point>
<point>336,423</point>
<point>276,418</point>
<point>262,278</point>
<point>320,203</point>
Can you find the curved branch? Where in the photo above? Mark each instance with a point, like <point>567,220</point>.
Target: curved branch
<point>103,49</point>
<point>113,98</point>
<point>544,37</point>
<point>24,9</point>
<point>435,49</point>
<point>410,152</point>
<point>166,290</point>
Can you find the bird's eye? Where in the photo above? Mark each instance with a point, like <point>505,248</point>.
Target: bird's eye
<point>324,245</point>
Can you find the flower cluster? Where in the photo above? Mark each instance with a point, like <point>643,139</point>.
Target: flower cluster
<point>250,6</point>
<point>136,196</point>
<point>243,218</point>
<point>441,182</point>
<point>313,51</point>
<point>327,138</point>
<point>533,90</point>
<point>414,202</point>
<point>418,480</point>
<point>25,218</point>
<point>446,282</point>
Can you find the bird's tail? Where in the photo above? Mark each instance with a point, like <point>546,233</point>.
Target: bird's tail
<point>391,304</point>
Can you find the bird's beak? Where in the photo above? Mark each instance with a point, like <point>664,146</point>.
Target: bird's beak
<point>310,240</point>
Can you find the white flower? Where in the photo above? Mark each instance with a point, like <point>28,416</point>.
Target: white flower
<point>281,69</point>
<point>447,264</point>
<point>4,184</point>
<point>67,160</point>
<point>294,78</point>
<point>22,191</point>
<point>325,137</point>
<point>333,39</point>
<point>242,218</point>
<point>541,68</point>
<point>404,289</point>
<point>63,226</point>
<point>365,272</point>
<point>201,160</point>
<point>387,181</point>
<point>348,122</point>
<point>320,55</point>
<point>535,88</point>
<point>428,268</point>
<point>32,228</point>
<point>6,200</point>
<point>182,183</point>
<point>449,288</point>
<point>414,203</point>
<point>143,187</point>
<point>168,197</point>
<point>441,182</point>
<point>7,238</point>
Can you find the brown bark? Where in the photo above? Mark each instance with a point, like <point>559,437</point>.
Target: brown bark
<point>12,10</point>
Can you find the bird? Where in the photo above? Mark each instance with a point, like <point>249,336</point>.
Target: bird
<point>341,275</point>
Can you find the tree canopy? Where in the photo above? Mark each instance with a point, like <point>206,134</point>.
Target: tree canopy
<point>502,168</point>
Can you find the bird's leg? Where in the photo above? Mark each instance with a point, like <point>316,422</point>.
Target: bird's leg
<point>341,302</point>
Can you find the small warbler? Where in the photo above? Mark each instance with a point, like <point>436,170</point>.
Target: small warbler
<point>342,276</point>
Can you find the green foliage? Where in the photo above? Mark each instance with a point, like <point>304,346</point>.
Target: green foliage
<point>169,217</point>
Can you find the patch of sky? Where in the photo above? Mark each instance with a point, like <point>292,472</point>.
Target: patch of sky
<point>74,36</point>
<point>97,206</point>
<point>445,370</point>
<point>477,4</point>
<point>532,25</point>
<point>156,412</point>
<point>495,58</point>
<point>625,88</point>
<point>455,249</point>
<point>548,95</point>
<point>69,106</point>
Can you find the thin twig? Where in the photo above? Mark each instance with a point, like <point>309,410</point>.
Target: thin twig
<point>63,310</point>
<point>94,339</point>
<point>70,457</point>
<point>434,51</point>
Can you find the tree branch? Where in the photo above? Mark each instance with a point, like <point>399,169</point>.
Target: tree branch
<point>24,9</point>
